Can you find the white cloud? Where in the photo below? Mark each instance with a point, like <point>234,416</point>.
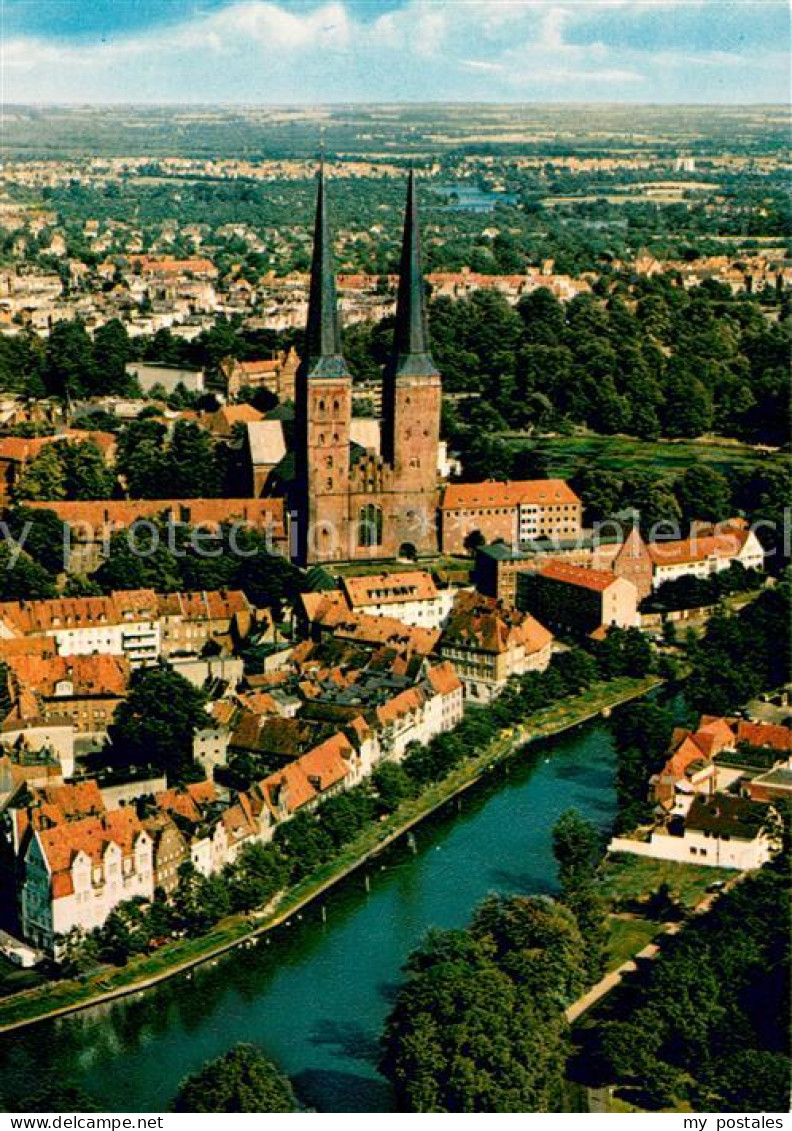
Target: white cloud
<point>259,50</point>
<point>481,65</point>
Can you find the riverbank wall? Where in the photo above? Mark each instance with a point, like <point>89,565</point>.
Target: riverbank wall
<point>31,1007</point>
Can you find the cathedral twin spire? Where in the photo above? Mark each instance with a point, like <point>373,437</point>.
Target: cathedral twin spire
<point>323,353</point>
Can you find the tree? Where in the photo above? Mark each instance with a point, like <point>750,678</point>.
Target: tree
<point>69,368</point>
<point>43,478</point>
<point>463,1037</point>
<point>41,534</point>
<point>392,784</point>
<point>191,468</point>
<point>474,541</point>
<point>577,848</point>
<point>112,351</point>
<point>703,494</point>
<point>86,475</point>
<point>22,579</point>
<point>243,1080</point>
<point>623,652</point>
<point>255,876</point>
<point>155,724</point>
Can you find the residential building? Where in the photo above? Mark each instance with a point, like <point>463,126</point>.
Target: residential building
<point>488,643</point>
<point>76,873</point>
<point>708,551</point>
<point>83,690</point>
<point>412,597</point>
<point>138,624</point>
<point>719,831</point>
<point>578,600</point>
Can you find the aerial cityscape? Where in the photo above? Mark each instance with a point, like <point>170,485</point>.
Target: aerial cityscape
<point>395,588</point>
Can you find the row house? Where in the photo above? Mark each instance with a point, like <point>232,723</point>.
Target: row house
<point>76,873</point>
<point>489,643</point>
<point>125,623</point>
<point>83,690</point>
<point>138,624</point>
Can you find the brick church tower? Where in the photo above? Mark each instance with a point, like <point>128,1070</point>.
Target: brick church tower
<point>323,408</point>
<point>355,501</point>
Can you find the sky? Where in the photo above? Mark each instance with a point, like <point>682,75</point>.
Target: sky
<point>321,51</point>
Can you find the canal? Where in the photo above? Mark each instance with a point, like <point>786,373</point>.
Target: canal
<point>314,994</point>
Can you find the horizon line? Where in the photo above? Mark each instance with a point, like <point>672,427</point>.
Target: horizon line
<point>78,104</point>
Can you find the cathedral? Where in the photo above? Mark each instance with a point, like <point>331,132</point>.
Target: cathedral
<point>365,489</point>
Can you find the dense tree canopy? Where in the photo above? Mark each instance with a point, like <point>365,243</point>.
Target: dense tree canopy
<point>479,1025</point>
<point>709,1020</point>
<point>243,1080</point>
<point>155,724</point>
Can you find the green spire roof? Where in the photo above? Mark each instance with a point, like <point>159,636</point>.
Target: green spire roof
<point>411,355</point>
<point>323,357</point>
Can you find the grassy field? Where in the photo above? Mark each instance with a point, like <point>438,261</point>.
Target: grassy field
<point>668,458</point>
<point>13,978</point>
<point>629,877</point>
<point>628,937</point>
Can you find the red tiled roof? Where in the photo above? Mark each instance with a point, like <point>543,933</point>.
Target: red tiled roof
<point>89,675</point>
<point>444,679</point>
<point>726,544</point>
<point>389,588</point>
<point>765,734</point>
<point>596,579</point>
<point>90,836</point>
<point>490,493</point>
<point>92,518</point>
<point>490,626</point>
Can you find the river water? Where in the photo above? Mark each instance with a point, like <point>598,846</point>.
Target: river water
<point>315,996</point>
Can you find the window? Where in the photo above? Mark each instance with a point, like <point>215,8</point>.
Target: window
<point>370,525</point>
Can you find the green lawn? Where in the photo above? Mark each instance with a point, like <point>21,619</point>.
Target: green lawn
<point>629,877</point>
<point>627,937</point>
<point>669,458</point>
<point>13,978</point>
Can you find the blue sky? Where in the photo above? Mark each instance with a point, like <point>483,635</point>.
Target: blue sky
<point>309,51</point>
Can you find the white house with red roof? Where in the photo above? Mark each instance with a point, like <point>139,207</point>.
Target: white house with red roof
<point>75,873</point>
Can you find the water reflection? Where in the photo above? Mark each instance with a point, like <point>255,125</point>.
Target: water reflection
<point>316,995</point>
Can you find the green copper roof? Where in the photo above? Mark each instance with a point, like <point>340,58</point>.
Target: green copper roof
<point>323,357</point>
<point>411,355</point>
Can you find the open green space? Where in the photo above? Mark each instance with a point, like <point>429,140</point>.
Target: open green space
<point>13,978</point>
<point>665,458</point>
<point>629,878</point>
<point>627,937</point>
